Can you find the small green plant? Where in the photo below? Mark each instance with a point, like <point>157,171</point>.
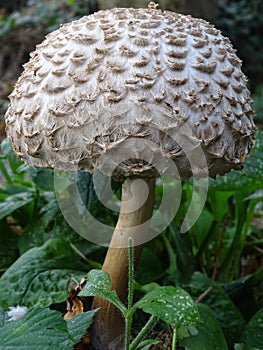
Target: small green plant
<point>169,304</point>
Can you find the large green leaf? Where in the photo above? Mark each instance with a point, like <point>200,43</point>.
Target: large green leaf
<point>99,284</point>
<point>209,334</point>
<point>226,312</point>
<point>78,324</point>
<point>251,177</point>
<point>243,293</point>
<point>3,317</point>
<point>33,235</point>
<point>15,201</point>
<point>44,329</point>
<point>253,335</point>
<point>38,329</point>
<point>44,178</point>
<point>150,267</point>
<point>172,305</point>
<point>39,277</point>
<point>49,224</point>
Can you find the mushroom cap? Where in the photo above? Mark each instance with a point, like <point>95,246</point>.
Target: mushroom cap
<point>114,89</point>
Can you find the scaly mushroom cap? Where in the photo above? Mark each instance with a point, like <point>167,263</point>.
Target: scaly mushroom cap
<point>137,74</point>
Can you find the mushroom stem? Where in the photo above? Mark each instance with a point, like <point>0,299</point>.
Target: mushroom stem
<point>136,211</point>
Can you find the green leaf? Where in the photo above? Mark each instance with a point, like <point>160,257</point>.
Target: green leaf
<point>39,277</point>
<point>99,284</point>
<point>184,331</point>
<point>251,177</point>
<point>150,267</point>
<point>78,324</point>
<point>4,172</point>
<point>184,260</point>
<point>226,312</point>
<point>98,281</point>
<point>173,305</point>
<point>240,346</point>
<point>86,189</point>
<point>6,147</point>
<point>18,187</point>
<point>50,210</point>
<point>32,236</point>
<point>44,329</point>
<point>3,317</point>
<point>43,178</point>
<point>39,329</point>
<point>14,161</point>
<point>146,344</point>
<point>209,334</point>
<point>253,335</point>
<point>242,293</point>
<point>50,223</point>
<point>218,201</point>
<point>14,202</point>
<point>256,195</point>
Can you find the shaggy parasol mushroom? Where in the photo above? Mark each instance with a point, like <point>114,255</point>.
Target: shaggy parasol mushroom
<point>131,73</point>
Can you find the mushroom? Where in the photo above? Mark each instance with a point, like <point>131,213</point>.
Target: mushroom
<point>137,75</point>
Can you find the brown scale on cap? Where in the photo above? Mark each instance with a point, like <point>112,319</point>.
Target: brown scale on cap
<point>118,65</point>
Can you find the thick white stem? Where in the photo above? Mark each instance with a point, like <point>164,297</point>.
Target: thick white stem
<point>135,214</point>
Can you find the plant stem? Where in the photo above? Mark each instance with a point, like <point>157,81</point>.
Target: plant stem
<point>93,264</point>
<point>131,273</point>
<point>145,330</point>
<point>174,338</point>
<point>128,319</point>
